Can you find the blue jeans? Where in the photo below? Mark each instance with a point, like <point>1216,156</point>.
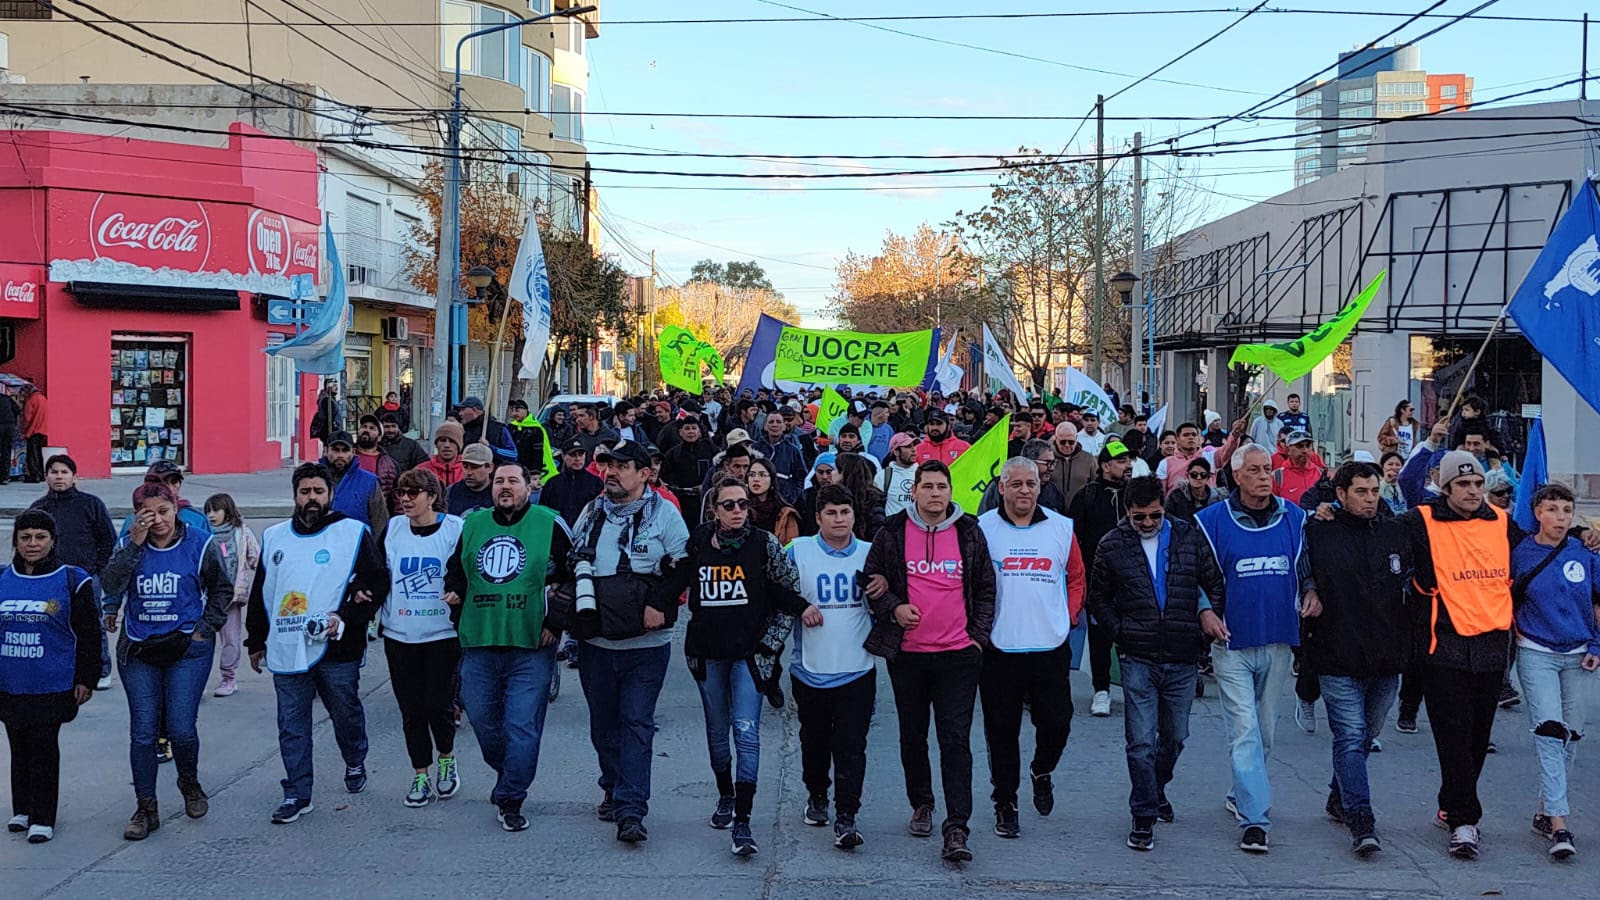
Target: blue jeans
<point>1156,698</point>
<point>506,691</point>
<point>1555,689</point>
<point>621,687</point>
<point>338,684</point>
<point>731,701</point>
<point>165,699</point>
<point>1252,682</point>
<point>1356,709</point>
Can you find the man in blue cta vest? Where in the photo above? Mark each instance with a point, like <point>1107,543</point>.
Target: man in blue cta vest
<point>1257,539</point>
<point>321,579</point>
<point>357,493</point>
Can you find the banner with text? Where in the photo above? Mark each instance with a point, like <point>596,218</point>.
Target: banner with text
<point>829,408</point>
<point>978,465</point>
<point>856,358</point>
<point>1295,359</point>
<point>1079,389</point>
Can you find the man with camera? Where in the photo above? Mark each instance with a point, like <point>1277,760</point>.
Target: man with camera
<point>495,581</point>
<point>322,578</point>
<point>628,542</point>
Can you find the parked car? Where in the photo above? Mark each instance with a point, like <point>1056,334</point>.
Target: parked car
<point>567,401</point>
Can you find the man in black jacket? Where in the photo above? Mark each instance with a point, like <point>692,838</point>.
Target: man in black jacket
<point>406,453</point>
<point>1357,565</point>
<point>1095,510</point>
<point>85,536</point>
<point>574,486</point>
<point>685,465</point>
<point>1145,589</point>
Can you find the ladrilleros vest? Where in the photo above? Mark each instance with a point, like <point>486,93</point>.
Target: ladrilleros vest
<point>38,649</point>
<point>165,594</point>
<point>306,575</point>
<point>1472,568</point>
<point>506,567</point>
<point>1263,590</point>
<point>415,612</point>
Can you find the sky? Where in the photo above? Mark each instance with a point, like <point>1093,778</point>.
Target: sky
<point>1053,67</point>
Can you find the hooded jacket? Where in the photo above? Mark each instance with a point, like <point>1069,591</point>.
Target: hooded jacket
<point>1094,512</point>
<point>1359,569</point>
<point>406,452</point>
<point>887,557</point>
<point>1072,473</point>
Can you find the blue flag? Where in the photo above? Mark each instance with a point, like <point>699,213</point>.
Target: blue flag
<point>1535,473</point>
<point>1557,306</point>
<point>319,350</point>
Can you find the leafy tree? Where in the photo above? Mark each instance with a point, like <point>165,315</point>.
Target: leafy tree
<point>725,317</point>
<point>733,274</point>
<point>915,281</point>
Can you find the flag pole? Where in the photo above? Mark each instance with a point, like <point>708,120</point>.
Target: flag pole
<point>494,365</point>
<point>1466,378</point>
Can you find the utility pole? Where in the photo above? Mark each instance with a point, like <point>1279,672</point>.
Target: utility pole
<point>1136,309</point>
<point>588,189</point>
<point>1096,318</point>
<point>1583,86</point>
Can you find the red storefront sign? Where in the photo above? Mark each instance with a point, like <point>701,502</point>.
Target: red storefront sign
<point>22,291</point>
<point>153,232</point>
<point>280,246</point>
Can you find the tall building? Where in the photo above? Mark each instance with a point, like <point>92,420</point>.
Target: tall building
<point>1372,83</point>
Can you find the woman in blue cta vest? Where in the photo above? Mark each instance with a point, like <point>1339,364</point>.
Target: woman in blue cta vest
<point>177,592</point>
<point>49,661</point>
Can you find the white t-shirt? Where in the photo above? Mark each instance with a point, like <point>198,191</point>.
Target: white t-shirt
<point>1091,443</point>
<point>415,612</point>
<point>897,496</point>
<point>1031,609</point>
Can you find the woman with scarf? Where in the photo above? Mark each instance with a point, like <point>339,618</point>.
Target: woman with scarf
<point>859,477</point>
<point>49,606</point>
<point>1389,486</point>
<point>741,610</point>
<point>241,554</point>
<point>768,512</point>
<point>1196,493</point>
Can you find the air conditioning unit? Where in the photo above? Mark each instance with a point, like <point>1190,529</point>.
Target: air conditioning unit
<point>354,274</point>
<point>396,328</point>
<point>1211,323</point>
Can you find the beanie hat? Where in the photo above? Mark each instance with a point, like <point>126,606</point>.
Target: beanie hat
<point>450,431</point>
<point>1456,464</point>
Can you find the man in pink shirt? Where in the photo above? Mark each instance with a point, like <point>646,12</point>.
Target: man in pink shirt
<point>931,587</point>
<point>1174,470</point>
<point>1299,470</point>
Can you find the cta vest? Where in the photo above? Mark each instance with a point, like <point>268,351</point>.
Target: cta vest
<point>506,567</point>
<point>416,612</point>
<point>306,575</point>
<point>38,649</point>
<point>1263,590</point>
<point>351,493</point>
<point>1472,567</point>
<point>165,594</point>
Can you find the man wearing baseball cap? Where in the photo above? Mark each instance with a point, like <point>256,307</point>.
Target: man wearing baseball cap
<point>1461,601</point>
<point>938,441</point>
<point>574,486</point>
<point>1300,471</point>
<point>357,493</point>
<point>472,491</point>
<point>899,471</point>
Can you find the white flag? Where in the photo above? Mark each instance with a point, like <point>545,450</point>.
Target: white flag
<point>997,369</point>
<point>1158,420</point>
<point>1080,390</point>
<point>530,286</point>
<point>950,374</point>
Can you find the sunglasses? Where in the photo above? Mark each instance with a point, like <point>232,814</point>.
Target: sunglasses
<point>1198,476</point>
<point>1146,517</point>
<point>731,505</point>
<point>408,493</point>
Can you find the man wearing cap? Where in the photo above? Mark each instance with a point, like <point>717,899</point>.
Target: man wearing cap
<point>473,490</point>
<point>938,443</point>
<point>371,457</point>
<point>478,427</point>
<point>899,471</point>
<point>854,414</point>
<point>1264,430</point>
<point>356,492</point>
<point>446,461</point>
<point>785,456</point>
<point>1461,601</point>
<point>685,465</point>
<point>406,453</point>
<point>534,450</point>
<point>1095,511</point>
<point>572,489</point>
<point>1090,437</point>
<point>823,473</point>
<point>1299,472</point>
<point>590,430</point>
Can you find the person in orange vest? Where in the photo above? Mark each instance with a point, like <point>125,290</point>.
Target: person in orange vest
<point>1461,601</point>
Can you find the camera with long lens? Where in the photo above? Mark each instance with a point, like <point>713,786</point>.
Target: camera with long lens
<point>584,606</point>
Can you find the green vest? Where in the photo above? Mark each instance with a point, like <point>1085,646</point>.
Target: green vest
<point>505,566</point>
<point>549,461</point>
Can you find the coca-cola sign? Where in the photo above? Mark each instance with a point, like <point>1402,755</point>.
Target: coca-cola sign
<point>20,291</point>
<point>156,232</point>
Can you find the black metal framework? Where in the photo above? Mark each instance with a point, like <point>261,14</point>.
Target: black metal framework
<point>25,9</point>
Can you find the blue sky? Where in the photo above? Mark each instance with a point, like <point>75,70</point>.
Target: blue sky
<point>798,231</point>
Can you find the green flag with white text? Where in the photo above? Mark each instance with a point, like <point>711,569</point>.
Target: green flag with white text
<point>1295,359</point>
<point>980,464</point>
<point>855,358</point>
<point>829,408</point>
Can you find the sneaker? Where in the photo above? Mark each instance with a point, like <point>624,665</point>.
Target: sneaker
<point>1464,842</point>
<point>372,630</point>
<point>291,811</point>
<point>226,689</point>
<point>1100,706</point>
<point>1254,840</point>
<point>1044,794</point>
<point>195,802</point>
<point>1233,808</point>
<point>845,835</point>
<point>955,846</point>
<point>632,831</point>
<point>104,684</point>
<point>146,818</point>
<point>921,824</point>
<point>511,817</point>
<point>1143,835</point>
<point>163,750</point>
<point>1365,845</point>
<point>1541,826</point>
<point>564,652</point>
<point>355,779</point>
<point>1375,747</point>
<point>17,824</point>
<point>1509,698</point>
<point>1561,846</point>
<point>1335,809</point>
<point>1440,820</point>
<point>39,834</point>
<point>449,780</point>
<point>605,812</point>
<point>744,842</point>
<point>1005,821</point>
<point>1406,724</point>
<point>1165,812</point>
<point>421,792</point>
<point>1305,715</point>
<point>817,810</point>
<point>722,817</point>
<point>1491,748</point>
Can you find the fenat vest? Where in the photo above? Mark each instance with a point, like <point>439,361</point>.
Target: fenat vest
<point>165,594</point>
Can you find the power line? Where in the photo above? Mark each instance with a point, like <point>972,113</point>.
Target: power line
<point>1181,56</point>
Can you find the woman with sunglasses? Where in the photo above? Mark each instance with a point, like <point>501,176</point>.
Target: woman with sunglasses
<point>1196,494</point>
<point>741,609</point>
<point>418,638</point>
<point>767,510</point>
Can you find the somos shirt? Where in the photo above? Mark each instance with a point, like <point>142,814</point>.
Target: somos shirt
<point>415,612</point>
<point>933,581</point>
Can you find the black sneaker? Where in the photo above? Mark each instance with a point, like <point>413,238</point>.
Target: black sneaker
<point>1334,808</point>
<point>1509,698</point>
<point>845,835</point>
<point>1561,846</point>
<point>722,816</point>
<point>163,750</point>
<point>511,817</point>
<point>1254,840</point>
<point>632,831</point>
<point>1165,812</point>
<point>1542,826</point>
<point>1143,835</point>
<point>1005,821</point>
<point>921,824</point>
<point>1044,794</point>
<point>355,779</point>
<point>1492,748</point>
<point>605,812</point>
<point>955,846</point>
<point>744,842</point>
<point>291,811</point>
<point>1407,723</point>
<point>817,810</point>
<point>1365,845</point>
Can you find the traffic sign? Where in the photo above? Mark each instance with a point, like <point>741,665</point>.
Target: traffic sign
<point>291,312</point>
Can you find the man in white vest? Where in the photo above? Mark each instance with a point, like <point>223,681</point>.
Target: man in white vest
<point>322,578</point>
<point>1039,591</point>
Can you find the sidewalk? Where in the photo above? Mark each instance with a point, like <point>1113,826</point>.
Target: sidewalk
<point>260,495</point>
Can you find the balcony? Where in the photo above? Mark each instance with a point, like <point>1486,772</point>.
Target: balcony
<point>376,269</point>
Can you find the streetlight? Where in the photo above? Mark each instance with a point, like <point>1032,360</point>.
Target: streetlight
<point>1123,283</point>
<point>444,310</point>
<point>480,277</point>
<point>1139,355</point>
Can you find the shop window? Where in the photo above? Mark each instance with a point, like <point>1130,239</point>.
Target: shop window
<point>149,400</point>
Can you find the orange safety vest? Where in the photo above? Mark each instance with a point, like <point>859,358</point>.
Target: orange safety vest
<point>1472,568</point>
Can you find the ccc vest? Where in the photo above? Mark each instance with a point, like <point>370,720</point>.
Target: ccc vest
<point>1472,567</point>
<point>38,649</point>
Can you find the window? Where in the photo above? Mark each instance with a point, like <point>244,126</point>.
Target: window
<point>484,137</point>
<point>539,7</point>
<point>575,35</point>
<point>1447,91</point>
<point>537,186</point>
<point>24,9</point>
<point>363,219</point>
<point>497,55</point>
<point>566,112</point>
<point>536,81</point>
<point>1403,88</point>
<point>1355,96</point>
<point>566,208</point>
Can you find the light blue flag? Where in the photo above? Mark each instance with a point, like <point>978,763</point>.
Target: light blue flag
<point>319,350</point>
<point>1558,305</point>
<point>1535,472</point>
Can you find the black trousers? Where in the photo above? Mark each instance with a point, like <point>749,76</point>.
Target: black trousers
<point>424,681</point>
<point>1100,641</point>
<point>833,732</point>
<point>946,683</point>
<point>8,439</point>
<point>33,461</point>
<point>1041,680</point>
<point>35,770</point>
<point>1461,708</point>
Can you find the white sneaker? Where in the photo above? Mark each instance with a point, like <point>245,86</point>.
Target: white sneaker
<point>1100,706</point>
<point>1305,715</point>
<point>17,824</point>
<point>38,834</point>
<point>103,684</point>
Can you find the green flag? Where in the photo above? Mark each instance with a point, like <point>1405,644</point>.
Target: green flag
<point>853,357</point>
<point>830,407</point>
<point>972,471</point>
<point>1294,359</point>
<point>681,355</point>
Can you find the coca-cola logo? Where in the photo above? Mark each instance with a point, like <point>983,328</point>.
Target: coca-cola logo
<point>156,232</point>
<point>270,243</point>
<point>21,292</point>
<point>305,257</point>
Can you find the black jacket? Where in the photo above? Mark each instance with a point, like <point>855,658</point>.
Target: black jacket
<point>1122,594</point>
<point>371,574</point>
<point>85,536</point>
<point>1095,511</point>
<point>569,492</point>
<point>888,558</point>
<point>406,453</point>
<point>1359,569</point>
<point>1181,505</point>
<point>734,631</point>
<point>684,467</point>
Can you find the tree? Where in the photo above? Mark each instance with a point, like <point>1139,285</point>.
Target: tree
<point>733,274</point>
<point>723,316</point>
<point>916,281</point>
